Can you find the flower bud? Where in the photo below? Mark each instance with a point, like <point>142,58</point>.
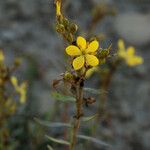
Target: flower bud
<point>68,76</point>
<point>102,61</point>
<point>104,53</point>
<point>68,37</point>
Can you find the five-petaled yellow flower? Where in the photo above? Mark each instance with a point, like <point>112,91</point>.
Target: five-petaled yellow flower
<point>128,54</point>
<point>84,53</point>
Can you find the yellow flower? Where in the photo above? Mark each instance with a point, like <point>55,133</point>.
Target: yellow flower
<point>128,54</point>
<point>20,89</point>
<point>84,53</point>
<point>1,56</point>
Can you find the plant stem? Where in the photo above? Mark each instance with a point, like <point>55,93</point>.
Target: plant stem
<point>76,122</point>
<point>105,84</point>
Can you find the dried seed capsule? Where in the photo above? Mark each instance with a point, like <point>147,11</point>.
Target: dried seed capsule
<point>73,27</point>
<point>66,22</point>
<point>60,28</point>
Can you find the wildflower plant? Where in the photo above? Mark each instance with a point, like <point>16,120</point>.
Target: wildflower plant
<point>11,96</point>
<point>128,54</point>
<point>85,57</point>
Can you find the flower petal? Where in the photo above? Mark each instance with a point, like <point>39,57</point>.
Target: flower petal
<point>92,47</point>
<point>122,53</point>
<point>81,42</point>
<point>78,62</point>
<point>130,51</point>
<point>121,44</point>
<point>92,60</point>
<point>58,6</point>
<point>135,60</point>
<point>73,50</point>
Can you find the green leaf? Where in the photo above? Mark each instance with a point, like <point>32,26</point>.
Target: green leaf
<point>94,91</point>
<point>49,147</point>
<point>94,140</point>
<point>89,117</point>
<point>52,124</point>
<point>63,98</point>
<point>59,141</point>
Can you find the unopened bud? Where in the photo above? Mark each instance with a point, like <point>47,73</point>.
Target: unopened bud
<point>102,61</point>
<point>68,76</point>
<point>68,37</point>
<point>104,53</point>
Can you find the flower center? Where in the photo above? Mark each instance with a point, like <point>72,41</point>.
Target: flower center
<point>83,51</point>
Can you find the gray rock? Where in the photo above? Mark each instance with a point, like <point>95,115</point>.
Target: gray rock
<point>133,27</point>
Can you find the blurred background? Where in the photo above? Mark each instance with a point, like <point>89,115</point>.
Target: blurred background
<point>27,30</point>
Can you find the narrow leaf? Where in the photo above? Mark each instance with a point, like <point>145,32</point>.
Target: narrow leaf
<point>52,124</point>
<point>94,91</point>
<point>60,141</point>
<point>63,98</point>
<point>94,140</point>
<point>89,117</point>
<point>49,147</point>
